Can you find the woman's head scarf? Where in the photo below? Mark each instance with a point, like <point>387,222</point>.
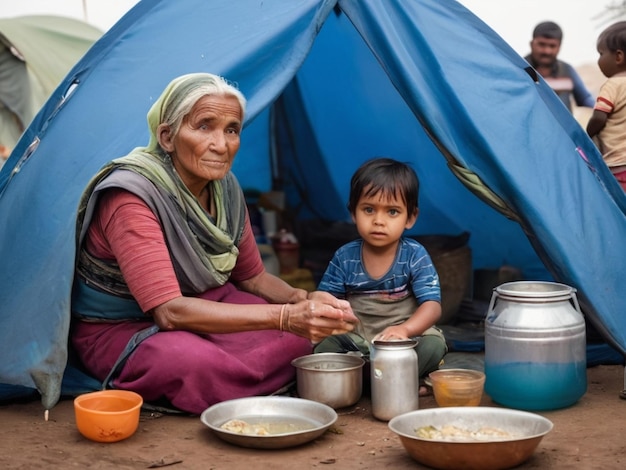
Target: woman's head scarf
<point>178,90</point>
<point>204,250</point>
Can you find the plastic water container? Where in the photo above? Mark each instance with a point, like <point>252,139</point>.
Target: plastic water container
<point>535,346</point>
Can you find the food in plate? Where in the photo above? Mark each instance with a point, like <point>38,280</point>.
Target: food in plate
<point>267,425</point>
<point>453,433</point>
<point>242,427</point>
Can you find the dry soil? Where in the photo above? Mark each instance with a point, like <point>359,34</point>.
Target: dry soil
<point>587,435</point>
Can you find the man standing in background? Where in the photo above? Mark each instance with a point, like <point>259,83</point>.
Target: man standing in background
<point>561,76</point>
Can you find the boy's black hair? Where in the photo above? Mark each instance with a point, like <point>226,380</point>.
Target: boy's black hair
<point>391,177</point>
<point>614,37</point>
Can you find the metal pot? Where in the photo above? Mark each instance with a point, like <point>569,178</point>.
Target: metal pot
<point>334,379</point>
<point>535,355</point>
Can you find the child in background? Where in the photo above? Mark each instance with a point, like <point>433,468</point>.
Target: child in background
<point>608,122</point>
<point>389,280</point>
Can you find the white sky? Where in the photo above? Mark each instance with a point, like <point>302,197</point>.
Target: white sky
<point>514,20</point>
<point>100,13</point>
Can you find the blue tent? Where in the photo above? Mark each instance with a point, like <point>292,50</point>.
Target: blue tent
<point>330,84</point>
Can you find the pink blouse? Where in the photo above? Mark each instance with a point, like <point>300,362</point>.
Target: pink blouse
<point>126,230</point>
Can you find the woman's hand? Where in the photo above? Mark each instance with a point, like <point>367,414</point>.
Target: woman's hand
<point>319,316</point>
<point>315,318</point>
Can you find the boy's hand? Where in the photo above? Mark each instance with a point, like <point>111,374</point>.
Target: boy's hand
<point>392,332</point>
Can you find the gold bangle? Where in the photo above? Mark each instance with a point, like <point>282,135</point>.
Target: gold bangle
<point>280,319</point>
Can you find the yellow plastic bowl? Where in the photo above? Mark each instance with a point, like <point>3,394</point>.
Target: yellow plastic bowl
<point>107,415</point>
<point>457,387</point>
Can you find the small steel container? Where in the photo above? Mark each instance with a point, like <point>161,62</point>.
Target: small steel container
<point>394,378</point>
<point>335,379</point>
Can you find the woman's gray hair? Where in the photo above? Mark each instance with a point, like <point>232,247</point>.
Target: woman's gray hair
<point>209,84</point>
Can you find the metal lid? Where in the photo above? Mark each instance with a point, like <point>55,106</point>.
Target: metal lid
<point>535,289</point>
<point>393,343</point>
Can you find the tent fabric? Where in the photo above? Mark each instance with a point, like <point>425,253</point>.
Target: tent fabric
<point>330,83</point>
<point>36,53</point>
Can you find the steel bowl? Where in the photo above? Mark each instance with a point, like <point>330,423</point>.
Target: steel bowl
<point>334,379</point>
<point>291,421</point>
<point>525,429</point>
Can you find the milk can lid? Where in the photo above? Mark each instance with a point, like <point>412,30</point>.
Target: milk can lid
<point>395,342</point>
<point>535,289</point>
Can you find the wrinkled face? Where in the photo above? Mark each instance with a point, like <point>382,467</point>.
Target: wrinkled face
<point>382,218</point>
<point>607,61</point>
<point>208,140</point>
<point>544,50</point>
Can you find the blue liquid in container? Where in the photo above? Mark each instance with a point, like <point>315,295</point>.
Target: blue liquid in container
<point>536,386</point>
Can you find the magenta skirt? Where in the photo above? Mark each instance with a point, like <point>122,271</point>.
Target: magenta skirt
<point>189,370</point>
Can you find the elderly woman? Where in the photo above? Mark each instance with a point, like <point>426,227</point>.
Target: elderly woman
<point>171,299</point>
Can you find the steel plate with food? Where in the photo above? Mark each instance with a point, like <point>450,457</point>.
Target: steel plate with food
<point>470,438</point>
<point>273,422</point>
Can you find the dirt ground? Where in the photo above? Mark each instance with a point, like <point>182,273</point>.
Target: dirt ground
<point>588,435</point>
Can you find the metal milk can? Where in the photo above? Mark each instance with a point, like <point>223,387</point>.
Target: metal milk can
<point>394,378</point>
<point>535,346</point>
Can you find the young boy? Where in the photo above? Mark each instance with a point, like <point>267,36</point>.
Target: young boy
<point>608,122</point>
<point>389,280</point>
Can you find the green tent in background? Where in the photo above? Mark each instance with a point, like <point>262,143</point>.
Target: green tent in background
<point>36,53</point>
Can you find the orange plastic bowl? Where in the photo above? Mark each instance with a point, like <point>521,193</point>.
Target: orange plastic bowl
<point>108,415</point>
